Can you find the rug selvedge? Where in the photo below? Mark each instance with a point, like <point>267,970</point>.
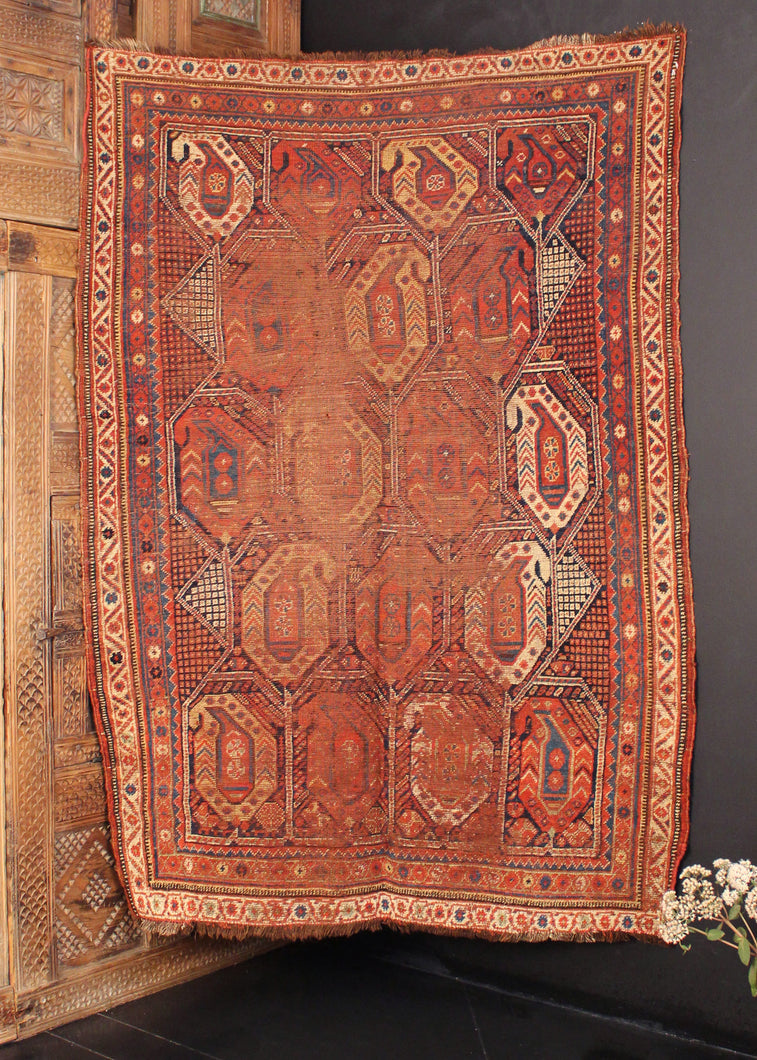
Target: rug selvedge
<point>387,550</point>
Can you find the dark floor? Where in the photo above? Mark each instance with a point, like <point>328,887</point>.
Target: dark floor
<point>361,998</point>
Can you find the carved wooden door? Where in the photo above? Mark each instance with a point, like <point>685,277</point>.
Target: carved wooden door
<point>68,945</point>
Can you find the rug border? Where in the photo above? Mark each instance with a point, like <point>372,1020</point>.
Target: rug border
<point>607,926</point>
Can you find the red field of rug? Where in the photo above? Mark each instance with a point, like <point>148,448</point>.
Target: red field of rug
<point>388,589</point>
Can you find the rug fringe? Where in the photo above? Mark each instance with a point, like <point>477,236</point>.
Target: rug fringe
<point>396,55</point>
<point>293,933</point>
<point>121,44</point>
<point>643,30</point>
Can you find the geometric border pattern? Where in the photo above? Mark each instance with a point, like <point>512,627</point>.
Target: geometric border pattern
<point>661,645</point>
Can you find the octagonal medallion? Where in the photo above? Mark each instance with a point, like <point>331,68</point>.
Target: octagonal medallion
<point>448,464</point>
<point>387,311</point>
<point>557,740</point>
<point>394,611</point>
<point>552,454</point>
<point>345,756</point>
<point>337,467</point>
<point>216,189</point>
<point>285,624</point>
<point>451,758</point>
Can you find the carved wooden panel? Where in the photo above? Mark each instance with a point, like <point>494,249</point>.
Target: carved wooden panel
<point>68,945</point>
<point>220,27</point>
<point>110,19</point>
<point>40,111</point>
<point>91,914</point>
<point>7,998</point>
<point>28,691</point>
<point>39,106</point>
<point>68,915</point>
<point>31,248</point>
<point>31,31</point>
<point>29,189</point>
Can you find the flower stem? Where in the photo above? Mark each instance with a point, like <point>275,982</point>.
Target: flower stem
<point>724,941</point>
<point>751,933</point>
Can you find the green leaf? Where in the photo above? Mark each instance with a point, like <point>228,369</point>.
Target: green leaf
<point>715,934</point>
<point>685,946</point>
<point>754,990</point>
<point>745,951</point>
<point>752,975</point>
<point>735,911</point>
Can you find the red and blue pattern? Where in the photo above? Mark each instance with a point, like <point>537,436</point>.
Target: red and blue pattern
<point>388,590</point>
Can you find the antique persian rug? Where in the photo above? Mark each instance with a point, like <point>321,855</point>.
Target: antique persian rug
<point>388,590</point>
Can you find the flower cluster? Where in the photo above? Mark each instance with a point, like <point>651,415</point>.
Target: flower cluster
<point>737,880</point>
<point>728,900</point>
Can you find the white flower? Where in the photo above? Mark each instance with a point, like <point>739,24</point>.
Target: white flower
<point>673,931</point>
<point>696,872</point>
<point>688,906</point>
<point>750,903</point>
<point>674,924</point>
<point>669,905</point>
<point>741,875</point>
<point>722,865</point>
<point>706,904</point>
<point>729,896</point>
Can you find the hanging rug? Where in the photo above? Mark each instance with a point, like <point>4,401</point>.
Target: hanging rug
<point>386,548</point>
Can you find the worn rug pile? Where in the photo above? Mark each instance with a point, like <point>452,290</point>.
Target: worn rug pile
<point>386,557</point>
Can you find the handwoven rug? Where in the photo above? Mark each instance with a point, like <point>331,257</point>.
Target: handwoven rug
<point>388,590</point>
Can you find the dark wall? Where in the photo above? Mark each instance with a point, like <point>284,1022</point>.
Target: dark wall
<point>707,988</point>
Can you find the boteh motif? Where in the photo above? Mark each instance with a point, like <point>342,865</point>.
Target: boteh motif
<point>542,168</point>
<point>388,593</point>
<point>220,464</point>
<point>506,613</point>
<point>338,468</point>
<point>552,455</point>
<point>216,189</point>
<point>266,320</point>
<point>316,180</point>
<point>554,747</point>
<point>449,462</point>
<point>387,313</point>
<point>234,757</point>
<point>431,181</point>
<point>492,297</point>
